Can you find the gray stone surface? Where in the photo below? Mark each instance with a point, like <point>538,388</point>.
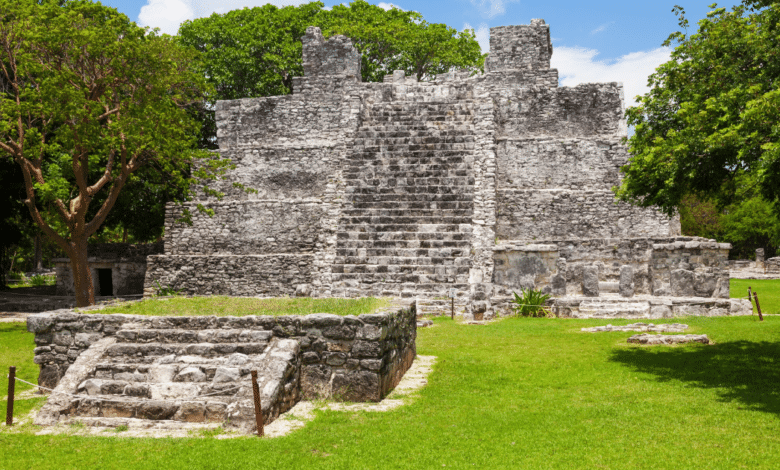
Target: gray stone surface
<point>668,339</point>
<point>185,368</point>
<point>682,282</point>
<point>590,281</point>
<point>626,285</point>
<point>663,328</point>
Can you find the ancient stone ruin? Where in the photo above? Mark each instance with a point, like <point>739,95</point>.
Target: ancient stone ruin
<point>481,185</point>
<point>185,372</point>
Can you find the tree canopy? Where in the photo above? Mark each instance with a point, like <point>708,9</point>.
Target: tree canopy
<point>88,100</point>
<point>709,125</point>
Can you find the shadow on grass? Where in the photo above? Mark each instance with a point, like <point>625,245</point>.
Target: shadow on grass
<point>743,371</point>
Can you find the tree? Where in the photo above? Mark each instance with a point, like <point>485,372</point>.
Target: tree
<point>402,40</point>
<point>89,99</point>
<point>710,121</point>
<point>256,52</point>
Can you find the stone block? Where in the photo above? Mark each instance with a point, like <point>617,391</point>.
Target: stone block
<point>156,410</point>
<point>359,385</point>
<point>190,374</point>
<point>590,281</point>
<point>366,349</point>
<point>626,284</point>
<point>705,284</point>
<point>315,381</point>
<point>191,412</point>
<point>682,283</point>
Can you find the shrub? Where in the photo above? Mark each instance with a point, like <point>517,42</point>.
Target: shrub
<point>531,303</point>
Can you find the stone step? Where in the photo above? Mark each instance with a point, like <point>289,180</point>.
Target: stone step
<point>365,278</point>
<point>149,352</point>
<point>417,198</point>
<point>410,139</point>
<point>398,220</point>
<point>389,148</point>
<point>402,266</point>
<point>421,227</point>
<point>154,410</point>
<point>404,212</point>
<point>353,288</point>
<point>401,181</point>
<point>373,155</point>
<point>167,335</point>
<point>413,131</point>
<point>400,236</point>
<point>430,189</point>
<point>151,428</point>
<point>411,205</point>
<point>466,127</point>
<point>394,171</point>
<point>442,306</point>
<point>412,248</point>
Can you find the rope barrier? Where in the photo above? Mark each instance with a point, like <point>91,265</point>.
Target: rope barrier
<point>90,396</point>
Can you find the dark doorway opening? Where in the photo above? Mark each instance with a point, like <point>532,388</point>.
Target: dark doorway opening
<point>106,282</point>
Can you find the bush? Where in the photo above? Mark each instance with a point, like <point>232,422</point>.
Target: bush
<point>531,303</point>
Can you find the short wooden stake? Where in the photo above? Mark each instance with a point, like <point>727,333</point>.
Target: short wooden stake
<point>758,307</point>
<point>9,412</point>
<point>750,298</point>
<point>258,406</point>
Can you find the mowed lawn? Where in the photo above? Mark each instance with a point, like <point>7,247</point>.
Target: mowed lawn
<point>518,393</point>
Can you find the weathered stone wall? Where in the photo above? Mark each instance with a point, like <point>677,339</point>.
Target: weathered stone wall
<point>351,358</point>
<point>680,267</point>
<point>238,275</point>
<point>525,214</point>
<point>554,163</point>
<point>247,228</point>
<point>336,56</point>
<point>126,261</point>
<point>520,47</point>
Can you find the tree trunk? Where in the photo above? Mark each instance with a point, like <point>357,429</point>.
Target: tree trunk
<point>82,275</point>
<point>38,266</point>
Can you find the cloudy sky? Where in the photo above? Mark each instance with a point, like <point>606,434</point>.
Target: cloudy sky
<point>596,41</point>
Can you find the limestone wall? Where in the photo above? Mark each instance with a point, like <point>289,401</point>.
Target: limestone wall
<point>679,267</point>
<point>352,358</point>
<point>525,214</point>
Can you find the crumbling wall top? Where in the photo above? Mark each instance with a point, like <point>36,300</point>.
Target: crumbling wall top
<point>520,47</point>
<point>336,56</point>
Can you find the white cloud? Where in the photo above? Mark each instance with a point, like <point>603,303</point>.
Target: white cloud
<point>483,35</point>
<point>388,6</point>
<point>491,8</point>
<point>169,14</point>
<point>601,28</point>
<point>578,65</point>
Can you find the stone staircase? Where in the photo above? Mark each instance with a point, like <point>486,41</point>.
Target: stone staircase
<point>437,307</point>
<point>168,377</point>
<point>406,226</point>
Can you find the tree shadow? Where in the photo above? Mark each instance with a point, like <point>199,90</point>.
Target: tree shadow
<point>742,371</point>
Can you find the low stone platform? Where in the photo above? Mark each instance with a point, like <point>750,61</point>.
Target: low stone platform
<point>668,339</point>
<point>648,307</point>
<point>670,328</point>
<point>197,369</point>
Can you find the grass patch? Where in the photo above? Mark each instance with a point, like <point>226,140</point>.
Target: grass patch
<point>517,393</point>
<point>768,292</point>
<point>16,349</point>
<point>240,306</point>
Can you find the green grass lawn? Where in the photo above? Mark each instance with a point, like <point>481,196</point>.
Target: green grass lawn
<point>518,393</point>
<point>768,291</point>
<point>240,306</point>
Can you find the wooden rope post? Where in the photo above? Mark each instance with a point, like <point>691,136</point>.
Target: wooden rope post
<point>258,406</point>
<point>9,412</point>
<point>758,307</point>
<point>750,298</point>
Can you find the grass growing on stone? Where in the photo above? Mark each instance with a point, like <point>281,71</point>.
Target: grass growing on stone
<point>768,292</point>
<point>518,393</point>
<point>241,306</point>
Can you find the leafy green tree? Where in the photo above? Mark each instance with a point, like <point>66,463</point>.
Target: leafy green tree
<point>700,218</point>
<point>88,100</point>
<point>256,52</point>
<point>711,117</point>
<point>751,224</point>
<point>402,40</point>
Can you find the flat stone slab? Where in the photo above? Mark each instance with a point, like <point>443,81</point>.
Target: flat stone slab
<point>669,328</point>
<point>668,339</point>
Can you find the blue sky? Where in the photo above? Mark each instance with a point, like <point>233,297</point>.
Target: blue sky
<point>596,41</point>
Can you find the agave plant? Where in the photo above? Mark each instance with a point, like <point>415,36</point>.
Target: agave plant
<point>531,303</point>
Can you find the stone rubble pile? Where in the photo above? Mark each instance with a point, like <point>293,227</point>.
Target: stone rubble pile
<point>668,339</point>
<point>664,328</point>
